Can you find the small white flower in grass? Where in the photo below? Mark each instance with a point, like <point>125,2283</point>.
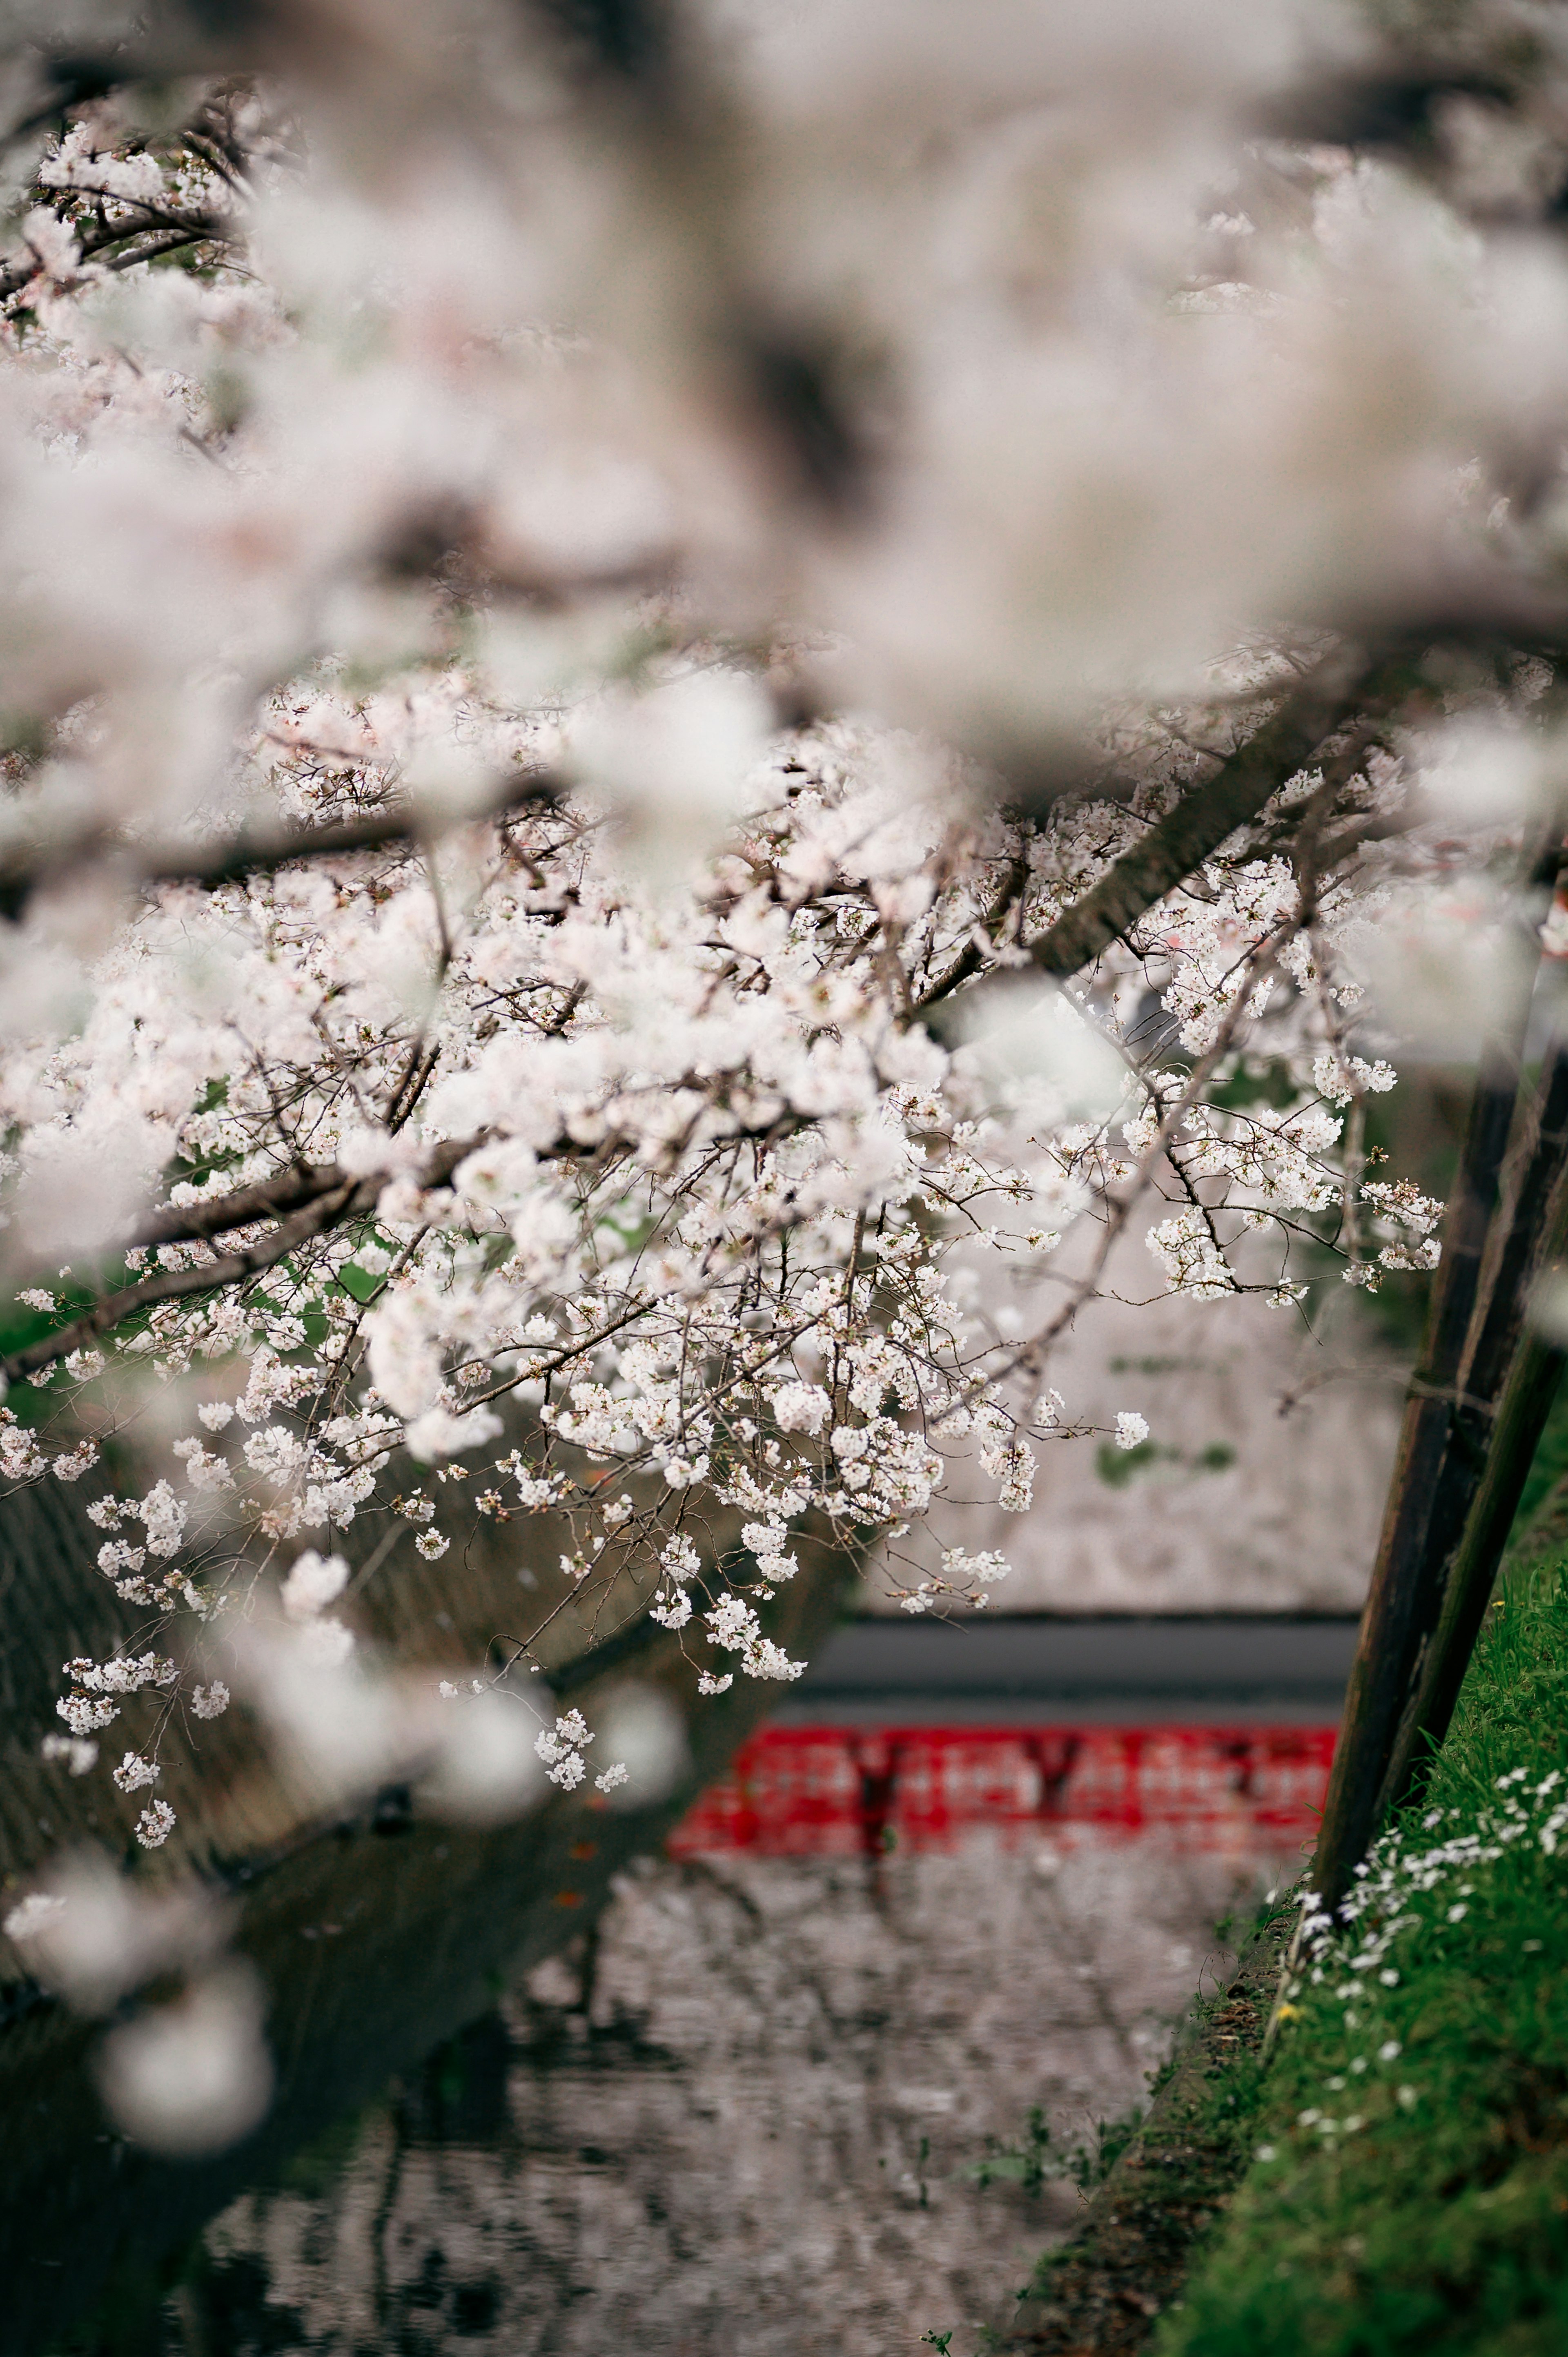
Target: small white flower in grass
<point>1407,2099</point>
<point>614,1777</point>
<point>155,1825</point>
<point>209,1701</point>
<point>431,1546</point>
<point>1391,1979</point>
<point>1457,1912</point>
<point>133,1772</point>
<point>1266,2152</point>
<point>1131,1429</point>
<point>1390,2051</point>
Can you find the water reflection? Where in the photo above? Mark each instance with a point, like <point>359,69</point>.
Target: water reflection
<point>741,2119</point>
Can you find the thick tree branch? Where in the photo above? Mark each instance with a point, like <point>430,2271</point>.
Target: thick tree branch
<point>1192,832</point>
<point>164,234</point>
<point>296,1189</point>
<point>178,1284</point>
<point>228,863</point>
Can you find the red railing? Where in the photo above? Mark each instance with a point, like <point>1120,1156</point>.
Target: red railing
<point>840,1790</point>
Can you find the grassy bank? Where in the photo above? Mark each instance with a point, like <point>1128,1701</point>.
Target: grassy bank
<point>1409,2188</point>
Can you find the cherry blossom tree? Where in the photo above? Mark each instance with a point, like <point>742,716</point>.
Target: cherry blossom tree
<point>665,675</point>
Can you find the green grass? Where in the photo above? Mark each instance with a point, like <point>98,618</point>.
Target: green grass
<point>1409,2191</point>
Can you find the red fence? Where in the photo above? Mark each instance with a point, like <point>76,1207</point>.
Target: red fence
<point>816,1791</point>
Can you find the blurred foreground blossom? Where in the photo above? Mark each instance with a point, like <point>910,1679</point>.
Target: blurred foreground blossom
<point>195,2076</point>
<point>92,1935</point>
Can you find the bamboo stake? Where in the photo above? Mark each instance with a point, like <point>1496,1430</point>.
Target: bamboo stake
<point>1495,1327</point>
<point>1521,1418</point>
<point>1404,1604</point>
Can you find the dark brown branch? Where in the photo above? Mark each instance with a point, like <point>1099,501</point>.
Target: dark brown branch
<point>228,863</point>
<point>1192,832</point>
<point>268,1199</point>
<point>292,1190</point>
<point>178,1284</point>
<point>164,233</point>
<point>168,240</point>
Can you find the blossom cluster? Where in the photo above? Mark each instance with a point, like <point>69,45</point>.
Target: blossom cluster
<point>543,1012</point>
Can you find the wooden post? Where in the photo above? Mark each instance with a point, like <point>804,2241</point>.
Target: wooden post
<point>1522,1239</point>
<point>1521,1418</point>
<point>1403,1603</point>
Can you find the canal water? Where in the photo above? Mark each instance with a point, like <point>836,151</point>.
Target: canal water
<point>749,2115</point>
